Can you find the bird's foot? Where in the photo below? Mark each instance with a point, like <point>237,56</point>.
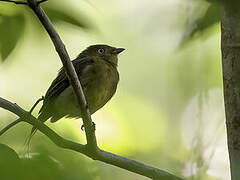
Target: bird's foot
<point>82,127</point>
<point>93,126</point>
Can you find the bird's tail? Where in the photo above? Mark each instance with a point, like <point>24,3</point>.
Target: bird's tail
<point>42,117</point>
<point>29,137</point>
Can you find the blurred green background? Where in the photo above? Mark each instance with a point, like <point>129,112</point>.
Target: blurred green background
<point>168,110</point>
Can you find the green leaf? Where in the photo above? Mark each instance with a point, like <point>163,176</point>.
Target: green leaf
<point>11,29</point>
<point>7,155</point>
<point>10,164</point>
<point>58,14</point>
<point>40,167</point>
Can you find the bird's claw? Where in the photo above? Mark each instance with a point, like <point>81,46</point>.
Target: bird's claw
<point>93,126</point>
<point>82,127</point>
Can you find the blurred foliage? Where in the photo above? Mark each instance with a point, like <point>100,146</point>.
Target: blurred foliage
<point>10,164</point>
<point>12,23</point>
<point>60,14</point>
<point>198,23</point>
<point>43,165</point>
<point>11,30</point>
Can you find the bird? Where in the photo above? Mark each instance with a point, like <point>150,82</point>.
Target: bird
<point>96,68</point>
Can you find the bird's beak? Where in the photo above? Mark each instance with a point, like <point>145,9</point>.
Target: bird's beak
<point>118,50</point>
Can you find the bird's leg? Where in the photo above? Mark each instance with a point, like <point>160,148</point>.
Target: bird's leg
<point>86,105</point>
<point>93,124</point>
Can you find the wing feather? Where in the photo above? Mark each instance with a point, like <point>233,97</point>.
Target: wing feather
<point>59,84</point>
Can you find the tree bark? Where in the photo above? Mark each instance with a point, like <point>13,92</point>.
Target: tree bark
<point>231,81</point>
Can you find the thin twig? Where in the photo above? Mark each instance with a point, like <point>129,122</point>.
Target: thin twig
<point>36,103</point>
<point>9,126</point>
<point>16,2</point>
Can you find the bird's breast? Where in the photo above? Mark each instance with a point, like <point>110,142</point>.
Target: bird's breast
<point>100,90</point>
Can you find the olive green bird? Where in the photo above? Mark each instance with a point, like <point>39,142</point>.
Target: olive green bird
<point>96,68</point>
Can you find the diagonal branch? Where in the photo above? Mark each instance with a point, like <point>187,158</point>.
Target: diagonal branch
<point>100,155</point>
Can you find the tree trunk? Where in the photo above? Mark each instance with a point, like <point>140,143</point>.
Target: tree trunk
<point>231,81</point>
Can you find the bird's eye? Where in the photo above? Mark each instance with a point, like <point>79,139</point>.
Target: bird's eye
<point>101,51</point>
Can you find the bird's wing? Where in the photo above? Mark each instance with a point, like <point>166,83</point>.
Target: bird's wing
<point>61,82</point>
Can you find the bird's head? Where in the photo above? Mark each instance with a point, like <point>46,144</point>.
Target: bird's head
<point>102,52</point>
